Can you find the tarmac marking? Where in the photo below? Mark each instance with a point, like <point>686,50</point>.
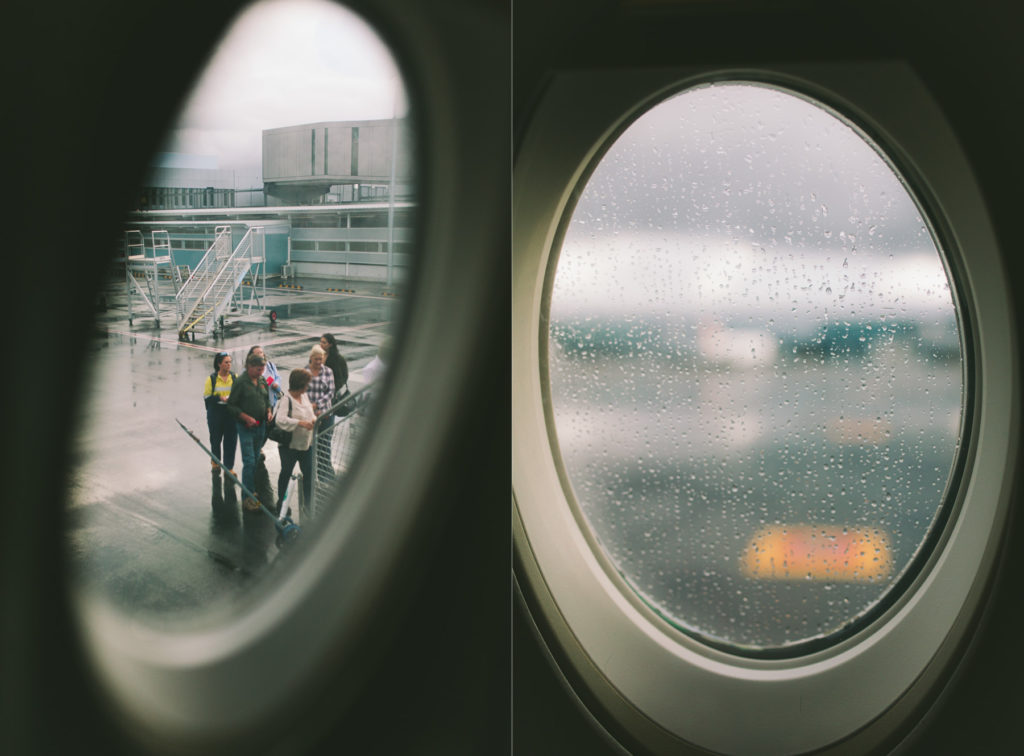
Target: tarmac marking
<point>164,340</point>
<point>203,348</point>
<point>125,512</point>
<point>278,342</point>
<point>339,293</point>
<point>299,336</point>
<point>217,556</point>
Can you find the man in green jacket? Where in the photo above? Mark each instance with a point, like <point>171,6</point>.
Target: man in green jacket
<point>249,404</point>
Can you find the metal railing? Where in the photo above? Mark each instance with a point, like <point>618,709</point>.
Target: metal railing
<point>213,285</point>
<point>143,268</point>
<point>190,295</point>
<point>336,441</point>
<point>162,249</point>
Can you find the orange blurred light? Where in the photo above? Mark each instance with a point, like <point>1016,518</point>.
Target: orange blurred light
<point>817,552</point>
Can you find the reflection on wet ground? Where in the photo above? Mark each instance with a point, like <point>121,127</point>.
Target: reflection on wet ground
<point>150,526</point>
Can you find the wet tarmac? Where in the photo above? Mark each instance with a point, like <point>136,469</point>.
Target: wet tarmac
<point>677,465</point>
<point>150,527</point>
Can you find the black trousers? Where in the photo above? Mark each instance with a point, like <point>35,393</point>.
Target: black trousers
<point>289,457</point>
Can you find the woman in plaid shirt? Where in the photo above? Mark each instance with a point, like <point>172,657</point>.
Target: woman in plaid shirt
<point>321,388</point>
<point>321,393</point>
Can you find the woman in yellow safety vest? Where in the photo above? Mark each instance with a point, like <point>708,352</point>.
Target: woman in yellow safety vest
<point>218,419</point>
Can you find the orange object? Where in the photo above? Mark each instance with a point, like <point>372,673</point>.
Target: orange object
<point>818,552</point>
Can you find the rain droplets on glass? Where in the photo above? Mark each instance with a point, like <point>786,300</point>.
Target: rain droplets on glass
<point>755,366</point>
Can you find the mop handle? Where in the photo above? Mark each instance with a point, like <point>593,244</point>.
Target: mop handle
<point>220,464</point>
<point>284,526</point>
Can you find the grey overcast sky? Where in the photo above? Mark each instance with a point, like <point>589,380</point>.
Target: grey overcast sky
<point>286,62</point>
<point>744,198</point>
<point>751,162</point>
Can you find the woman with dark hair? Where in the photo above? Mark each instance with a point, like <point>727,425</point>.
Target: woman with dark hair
<point>218,419</point>
<point>337,364</point>
<point>295,414</point>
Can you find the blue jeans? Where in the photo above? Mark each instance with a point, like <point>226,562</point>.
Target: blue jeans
<point>250,441</point>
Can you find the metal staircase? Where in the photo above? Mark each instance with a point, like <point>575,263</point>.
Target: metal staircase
<point>144,270</point>
<point>162,248</point>
<point>215,287</point>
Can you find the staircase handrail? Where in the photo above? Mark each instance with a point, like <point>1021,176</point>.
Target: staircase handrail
<point>187,300</point>
<point>242,252</point>
<point>206,262</point>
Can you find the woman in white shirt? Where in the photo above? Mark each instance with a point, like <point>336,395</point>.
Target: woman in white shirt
<point>295,413</point>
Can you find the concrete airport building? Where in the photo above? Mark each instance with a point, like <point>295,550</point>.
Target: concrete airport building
<point>357,160</point>
<point>335,201</point>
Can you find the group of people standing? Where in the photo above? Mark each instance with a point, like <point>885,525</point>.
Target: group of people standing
<point>239,408</point>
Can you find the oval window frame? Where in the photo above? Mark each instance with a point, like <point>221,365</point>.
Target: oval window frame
<point>945,507</point>
<point>314,629</point>
<point>653,683</point>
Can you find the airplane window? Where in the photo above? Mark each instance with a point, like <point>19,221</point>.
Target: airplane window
<point>202,623</point>
<point>755,368</point>
<point>159,529</point>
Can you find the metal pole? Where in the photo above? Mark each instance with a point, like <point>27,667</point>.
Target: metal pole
<point>286,529</point>
<point>128,276</point>
<point>391,192</point>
